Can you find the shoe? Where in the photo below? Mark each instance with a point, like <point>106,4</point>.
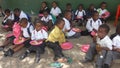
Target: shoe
<point>37,59</point>
<point>1,48</point>
<point>106,66</point>
<point>85,61</point>
<point>23,56</point>
<point>10,52</point>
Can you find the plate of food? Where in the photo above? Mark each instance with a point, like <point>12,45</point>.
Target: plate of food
<point>76,29</point>
<point>93,33</point>
<point>85,47</point>
<point>67,46</point>
<point>34,42</point>
<point>19,40</point>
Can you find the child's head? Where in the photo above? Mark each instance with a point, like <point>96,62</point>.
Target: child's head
<point>103,30</point>
<point>23,22</point>
<point>7,12</point>
<point>38,24</point>
<point>103,5</point>
<point>60,23</point>
<point>91,7</point>
<point>68,15</point>
<point>54,4</point>
<point>68,6</point>
<point>118,29</point>
<point>44,4</point>
<point>17,12</point>
<point>80,8</point>
<point>95,15</point>
<point>45,13</point>
<point>9,23</point>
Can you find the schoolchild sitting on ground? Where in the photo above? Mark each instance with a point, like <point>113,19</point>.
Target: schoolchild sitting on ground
<point>101,46</point>
<point>38,37</point>
<point>26,30</point>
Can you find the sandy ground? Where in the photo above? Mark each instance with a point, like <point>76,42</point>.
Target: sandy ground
<point>47,58</point>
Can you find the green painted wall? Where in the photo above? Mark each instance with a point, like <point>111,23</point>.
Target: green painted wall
<point>34,5</point>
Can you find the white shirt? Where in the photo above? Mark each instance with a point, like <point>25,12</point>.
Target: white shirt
<point>105,42</point>
<point>46,19</point>
<point>100,11</point>
<point>23,15</point>
<point>37,35</point>
<point>80,14</point>
<point>11,17</point>
<point>116,41</point>
<point>55,11</point>
<point>91,24</point>
<point>67,27</point>
<point>25,30</point>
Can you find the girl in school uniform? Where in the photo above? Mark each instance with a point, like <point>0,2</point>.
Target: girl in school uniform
<point>43,8</point>
<point>26,30</point>
<point>67,27</point>
<point>55,10</point>
<point>47,19</point>
<point>103,12</point>
<point>38,35</point>
<point>55,39</point>
<point>92,24</point>
<point>80,14</point>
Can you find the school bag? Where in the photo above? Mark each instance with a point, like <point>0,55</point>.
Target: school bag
<point>82,13</point>
<point>28,29</point>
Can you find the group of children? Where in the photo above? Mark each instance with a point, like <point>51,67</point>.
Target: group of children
<point>61,28</point>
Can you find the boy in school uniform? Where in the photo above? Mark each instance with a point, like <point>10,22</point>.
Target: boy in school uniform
<point>26,28</point>
<point>19,14</point>
<point>101,46</point>
<point>67,27</point>
<point>92,24</point>
<point>55,10</point>
<point>47,19</point>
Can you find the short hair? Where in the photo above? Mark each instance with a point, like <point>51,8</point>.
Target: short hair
<point>58,21</point>
<point>94,13</point>
<point>66,12</point>
<point>106,27</point>
<point>38,21</point>
<point>44,2</point>
<point>7,11</point>
<point>17,10</point>
<point>45,11</point>
<point>103,3</point>
<point>80,5</point>
<point>24,20</point>
<point>54,2</point>
<point>68,4</point>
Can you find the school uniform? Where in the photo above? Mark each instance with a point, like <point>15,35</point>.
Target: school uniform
<point>71,33</point>
<point>55,11</point>
<point>27,33</point>
<point>105,42</point>
<point>55,39</point>
<point>10,17</point>
<point>80,14</point>
<point>91,24</point>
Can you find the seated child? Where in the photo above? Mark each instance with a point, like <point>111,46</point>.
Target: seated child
<point>26,28</point>
<point>38,34</point>
<point>67,27</point>
<point>19,14</point>
<point>56,38</point>
<point>55,10</point>
<point>101,46</point>
<point>102,10</point>
<point>90,11</point>
<point>43,8</point>
<point>80,14</point>
<point>8,15</point>
<point>47,19</point>
<point>92,24</point>
<point>1,12</point>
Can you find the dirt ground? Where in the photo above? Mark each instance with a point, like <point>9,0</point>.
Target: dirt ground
<point>47,58</point>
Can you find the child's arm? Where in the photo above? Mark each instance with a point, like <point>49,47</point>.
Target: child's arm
<point>105,48</point>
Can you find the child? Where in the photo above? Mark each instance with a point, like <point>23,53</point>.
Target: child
<point>56,38</point>
<point>19,14</point>
<point>67,27</point>
<point>90,11</point>
<point>38,34</point>
<point>47,19</point>
<point>8,15</point>
<point>101,45</point>
<point>26,28</point>
<point>80,14</point>
<point>55,10</point>
<point>102,10</point>
<point>43,8</point>
<point>69,8</point>
<point>92,24</point>
<point>1,12</point>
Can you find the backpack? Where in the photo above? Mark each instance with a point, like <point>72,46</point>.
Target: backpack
<point>82,13</point>
<point>113,35</point>
<point>28,29</point>
<point>91,23</point>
